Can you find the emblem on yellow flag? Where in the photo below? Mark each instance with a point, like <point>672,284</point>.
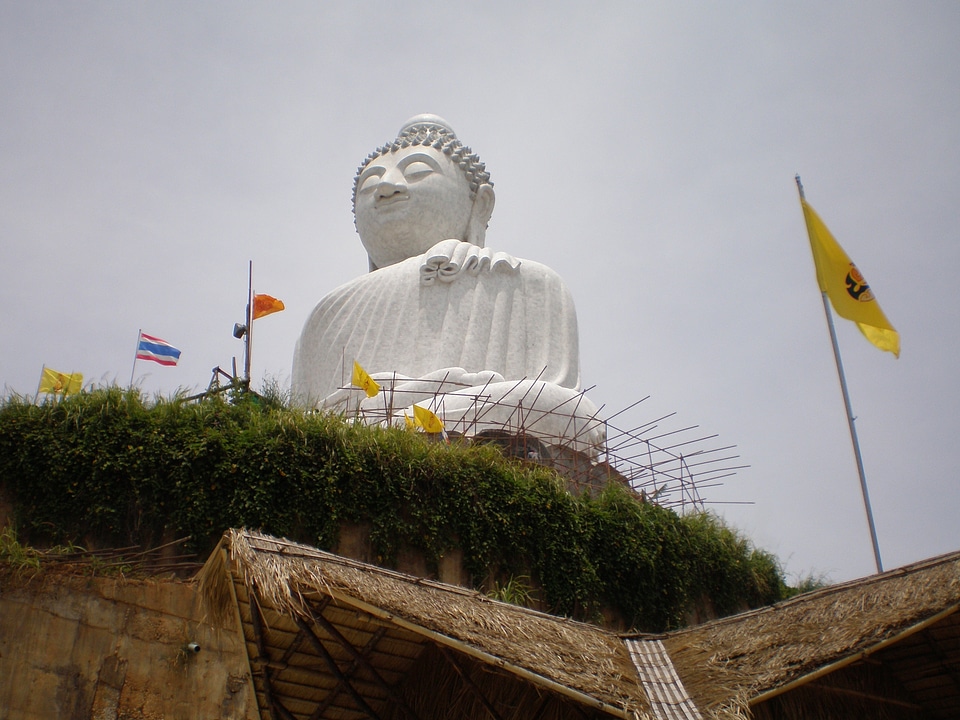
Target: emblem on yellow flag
<point>362,379</point>
<point>846,287</point>
<point>52,381</point>
<point>427,420</point>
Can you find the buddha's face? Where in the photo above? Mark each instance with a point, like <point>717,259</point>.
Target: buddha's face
<point>408,201</point>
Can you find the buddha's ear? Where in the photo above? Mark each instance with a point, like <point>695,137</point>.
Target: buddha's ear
<point>480,215</point>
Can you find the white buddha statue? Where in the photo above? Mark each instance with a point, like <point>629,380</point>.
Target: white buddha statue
<point>484,340</point>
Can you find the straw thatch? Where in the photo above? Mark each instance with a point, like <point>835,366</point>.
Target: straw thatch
<point>901,623</point>
<point>329,637</point>
<point>509,650</point>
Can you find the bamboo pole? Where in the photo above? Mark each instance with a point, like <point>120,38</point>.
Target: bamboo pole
<point>136,351</point>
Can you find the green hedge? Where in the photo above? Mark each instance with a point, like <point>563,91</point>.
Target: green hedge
<point>110,466</point>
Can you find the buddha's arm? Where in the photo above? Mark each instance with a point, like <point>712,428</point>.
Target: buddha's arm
<point>402,391</point>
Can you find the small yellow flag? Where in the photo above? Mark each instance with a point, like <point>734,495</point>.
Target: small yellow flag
<point>362,380</point>
<point>427,420</point>
<point>847,289</point>
<point>52,381</point>
<point>410,422</point>
<point>266,305</point>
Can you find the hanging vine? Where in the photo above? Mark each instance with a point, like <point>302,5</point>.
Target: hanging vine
<point>110,467</point>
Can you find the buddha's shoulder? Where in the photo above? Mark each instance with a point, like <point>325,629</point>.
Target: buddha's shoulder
<point>533,267</point>
<point>379,281</point>
<point>405,277</point>
<point>391,274</point>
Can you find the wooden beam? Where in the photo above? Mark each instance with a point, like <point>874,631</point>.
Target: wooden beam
<point>860,695</point>
<point>451,658</point>
<point>332,631</point>
<point>945,665</point>
<point>332,664</point>
<point>239,620</point>
<point>276,707</point>
<point>284,660</point>
<point>332,695</point>
<point>541,707</point>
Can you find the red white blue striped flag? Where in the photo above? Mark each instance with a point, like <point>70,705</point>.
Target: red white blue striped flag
<point>160,351</point>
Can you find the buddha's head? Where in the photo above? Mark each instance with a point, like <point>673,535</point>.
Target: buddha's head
<point>420,189</point>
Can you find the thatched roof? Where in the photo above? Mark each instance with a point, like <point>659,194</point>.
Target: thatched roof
<point>408,626</point>
<point>903,624</point>
<point>329,637</point>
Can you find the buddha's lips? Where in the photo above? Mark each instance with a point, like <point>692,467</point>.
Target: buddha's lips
<point>392,200</point>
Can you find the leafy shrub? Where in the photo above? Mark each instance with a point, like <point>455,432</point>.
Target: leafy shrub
<point>109,468</point>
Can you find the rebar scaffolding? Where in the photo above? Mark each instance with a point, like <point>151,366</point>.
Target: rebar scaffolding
<point>669,467</point>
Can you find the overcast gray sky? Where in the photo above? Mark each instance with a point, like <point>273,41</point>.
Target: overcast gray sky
<point>645,151</point>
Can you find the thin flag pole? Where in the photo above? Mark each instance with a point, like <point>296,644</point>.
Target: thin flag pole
<point>136,351</point>
<point>850,417</point>
<point>249,335</point>
<point>853,433</point>
<point>43,371</point>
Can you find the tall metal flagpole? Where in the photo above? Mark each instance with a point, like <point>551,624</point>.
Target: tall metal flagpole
<point>249,335</point>
<point>850,417</point>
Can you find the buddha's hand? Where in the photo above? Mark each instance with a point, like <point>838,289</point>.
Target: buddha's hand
<point>349,399</point>
<point>400,391</point>
<point>440,382</point>
<point>448,259</point>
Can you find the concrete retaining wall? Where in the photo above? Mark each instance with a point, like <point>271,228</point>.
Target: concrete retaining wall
<point>75,648</point>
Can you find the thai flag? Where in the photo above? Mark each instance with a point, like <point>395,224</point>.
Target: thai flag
<point>160,351</point>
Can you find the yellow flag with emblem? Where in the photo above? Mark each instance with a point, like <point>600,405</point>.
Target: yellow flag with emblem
<point>427,420</point>
<point>847,289</point>
<point>362,380</point>
<point>52,381</point>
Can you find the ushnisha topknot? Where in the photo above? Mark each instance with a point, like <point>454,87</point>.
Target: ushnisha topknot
<point>434,131</point>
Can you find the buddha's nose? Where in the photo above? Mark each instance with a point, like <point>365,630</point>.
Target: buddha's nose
<point>390,184</point>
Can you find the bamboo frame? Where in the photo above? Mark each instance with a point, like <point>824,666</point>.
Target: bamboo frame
<point>358,657</point>
<point>332,695</point>
<point>443,640</point>
<point>335,670</point>
<point>451,658</point>
<point>222,552</point>
<point>274,704</point>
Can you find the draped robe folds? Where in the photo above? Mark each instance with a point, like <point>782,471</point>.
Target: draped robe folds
<point>456,307</point>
